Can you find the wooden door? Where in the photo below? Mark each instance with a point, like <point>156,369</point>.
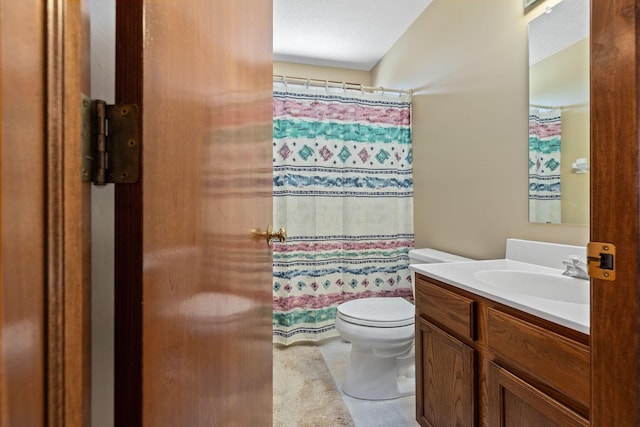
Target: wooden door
<point>445,378</point>
<point>23,232</point>
<point>44,209</point>
<point>515,403</point>
<point>193,287</point>
<point>615,215</point>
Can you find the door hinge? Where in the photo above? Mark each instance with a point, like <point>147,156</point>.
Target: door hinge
<point>601,260</point>
<point>110,142</point>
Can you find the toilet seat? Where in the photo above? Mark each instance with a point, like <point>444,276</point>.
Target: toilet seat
<point>393,312</point>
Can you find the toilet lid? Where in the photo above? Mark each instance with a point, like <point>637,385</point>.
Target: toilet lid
<point>381,312</point>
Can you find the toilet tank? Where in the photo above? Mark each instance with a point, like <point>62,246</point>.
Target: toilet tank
<point>430,256</point>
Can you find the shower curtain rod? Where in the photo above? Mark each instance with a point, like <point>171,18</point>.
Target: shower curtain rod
<point>336,84</point>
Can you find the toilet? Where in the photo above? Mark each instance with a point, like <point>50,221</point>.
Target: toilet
<point>381,332</point>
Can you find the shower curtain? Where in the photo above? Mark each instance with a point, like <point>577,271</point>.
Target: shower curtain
<point>343,187</point>
<point>545,128</point>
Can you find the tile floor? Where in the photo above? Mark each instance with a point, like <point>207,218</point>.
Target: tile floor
<point>367,413</point>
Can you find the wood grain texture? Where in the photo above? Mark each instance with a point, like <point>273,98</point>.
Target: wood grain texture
<point>485,356</point>
<point>23,214</point>
<point>195,289</point>
<point>45,216</point>
<point>553,359</point>
<point>452,311</point>
<point>68,218</point>
<point>615,215</point>
<point>514,403</point>
<point>446,379</point>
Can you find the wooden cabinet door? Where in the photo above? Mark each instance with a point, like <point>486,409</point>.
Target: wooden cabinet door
<point>515,403</point>
<point>445,379</point>
<point>193,287</point>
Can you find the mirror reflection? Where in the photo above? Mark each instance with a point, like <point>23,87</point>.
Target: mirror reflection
<point>559,114</point>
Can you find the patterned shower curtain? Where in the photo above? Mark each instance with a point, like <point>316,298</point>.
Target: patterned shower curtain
<point>545,128</point>
<point>343,187</point>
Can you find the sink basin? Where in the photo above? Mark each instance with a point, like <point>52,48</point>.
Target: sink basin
<point>539,285</point>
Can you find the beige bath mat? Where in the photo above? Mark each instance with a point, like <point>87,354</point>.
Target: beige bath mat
<point>304,393</point>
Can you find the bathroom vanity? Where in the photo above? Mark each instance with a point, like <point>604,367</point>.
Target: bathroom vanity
<point>479,362</point>
<point>491,355</point>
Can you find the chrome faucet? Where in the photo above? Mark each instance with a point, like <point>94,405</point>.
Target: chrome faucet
<point>575,268</point>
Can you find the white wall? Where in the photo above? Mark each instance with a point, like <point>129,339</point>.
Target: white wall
<point>467,61</point>
<point>102,232</point>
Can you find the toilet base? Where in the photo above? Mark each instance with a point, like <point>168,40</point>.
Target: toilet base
<point>370,377</point>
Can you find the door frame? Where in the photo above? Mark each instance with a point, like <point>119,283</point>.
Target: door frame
<point>68,217</point>
<point>46,217</point>
<point>615,190</point>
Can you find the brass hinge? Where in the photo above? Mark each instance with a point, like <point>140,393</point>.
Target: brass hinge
<point>110,142</point>
<point>601,260</point>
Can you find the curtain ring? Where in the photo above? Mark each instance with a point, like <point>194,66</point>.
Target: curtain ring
<point>284,81</point>
<point>326,86</point>
<point>306,85</point>
<point>344,87</point>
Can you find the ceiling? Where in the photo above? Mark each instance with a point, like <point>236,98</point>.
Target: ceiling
<point>352,34</point>
<point>561,26</point>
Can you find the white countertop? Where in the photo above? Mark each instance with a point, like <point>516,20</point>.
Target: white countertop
<point>461,275</point>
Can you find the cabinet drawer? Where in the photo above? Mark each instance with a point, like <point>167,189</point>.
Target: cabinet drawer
<point>454,313</point>
<point>556,360</point>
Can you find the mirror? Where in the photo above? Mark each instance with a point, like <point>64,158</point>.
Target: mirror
<point>559,114</point>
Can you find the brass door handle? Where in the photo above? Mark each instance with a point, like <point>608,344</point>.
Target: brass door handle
<point>269,235</point>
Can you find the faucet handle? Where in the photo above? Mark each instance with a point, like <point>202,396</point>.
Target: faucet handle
<point>573,260</point>
<point>575,267</point>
